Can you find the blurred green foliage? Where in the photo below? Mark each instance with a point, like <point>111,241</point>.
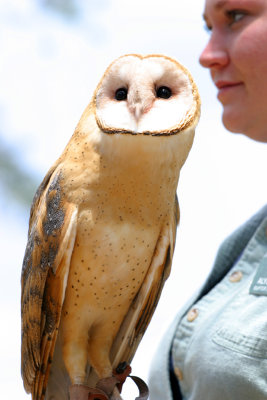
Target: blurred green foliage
<point>16,183</point>
<point>68,8</point>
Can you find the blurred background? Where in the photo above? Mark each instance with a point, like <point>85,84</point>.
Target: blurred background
<point>52,55</point>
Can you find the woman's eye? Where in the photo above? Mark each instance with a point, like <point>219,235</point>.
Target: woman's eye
<point>235,16</point>
<point>121,94</point>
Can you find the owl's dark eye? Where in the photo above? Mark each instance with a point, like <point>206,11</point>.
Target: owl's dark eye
<point>164,92</point>
<point>121,94</point>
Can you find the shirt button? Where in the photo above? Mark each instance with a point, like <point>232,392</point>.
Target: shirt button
<point>192,314</point>
<point>236,276</point>
<point>178,373</point>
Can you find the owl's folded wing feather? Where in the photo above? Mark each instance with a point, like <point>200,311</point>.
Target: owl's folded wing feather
<point>143,306</point>
<point>45,270</point>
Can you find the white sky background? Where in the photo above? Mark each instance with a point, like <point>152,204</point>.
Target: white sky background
<point>49,67</point>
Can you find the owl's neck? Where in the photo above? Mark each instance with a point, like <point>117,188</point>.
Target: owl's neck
<point>145,151</point>
<point>142,159</point>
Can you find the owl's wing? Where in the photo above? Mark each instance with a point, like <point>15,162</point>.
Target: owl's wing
<point>143,306</point>
<point>51,237</point>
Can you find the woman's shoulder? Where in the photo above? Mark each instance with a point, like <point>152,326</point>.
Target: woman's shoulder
<point>231,249</point>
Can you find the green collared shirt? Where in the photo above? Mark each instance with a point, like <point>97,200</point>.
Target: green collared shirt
<point>219,344</point>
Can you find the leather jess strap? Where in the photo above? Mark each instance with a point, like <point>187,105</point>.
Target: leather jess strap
<point>105,386</point>
<point>122,372</point>
<point>142,386</point>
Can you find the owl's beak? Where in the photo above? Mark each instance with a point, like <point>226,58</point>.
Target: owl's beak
<point>138,109</point>
<point>136,104</point>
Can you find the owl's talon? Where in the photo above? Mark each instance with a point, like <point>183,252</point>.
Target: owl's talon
<point>83,392</point>
<point>107,385</point>
<point>97,396</point>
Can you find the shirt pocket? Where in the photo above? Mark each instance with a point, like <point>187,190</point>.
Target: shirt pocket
<point>252,346</point>
<point>242,325</point>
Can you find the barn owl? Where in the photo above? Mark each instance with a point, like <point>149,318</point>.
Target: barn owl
<point>102,229</point>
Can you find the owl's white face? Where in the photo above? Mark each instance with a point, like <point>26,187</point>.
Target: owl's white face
<point>152,95</point>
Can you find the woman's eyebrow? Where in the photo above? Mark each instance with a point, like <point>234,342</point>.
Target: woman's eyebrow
<point>219,5</point>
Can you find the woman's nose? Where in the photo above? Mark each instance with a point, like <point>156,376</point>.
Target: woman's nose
<point>214,54</point>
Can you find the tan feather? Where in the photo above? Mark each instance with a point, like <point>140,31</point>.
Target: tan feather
<point>143,306</point>
<point>44,278</point>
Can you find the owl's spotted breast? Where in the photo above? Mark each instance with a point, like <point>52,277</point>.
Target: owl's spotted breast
<point>106,273</point>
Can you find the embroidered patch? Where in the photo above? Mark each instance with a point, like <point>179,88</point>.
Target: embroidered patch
<point>259,284</point>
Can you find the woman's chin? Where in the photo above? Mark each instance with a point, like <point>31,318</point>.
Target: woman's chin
<point>252,128</point>
<point>232,121</point>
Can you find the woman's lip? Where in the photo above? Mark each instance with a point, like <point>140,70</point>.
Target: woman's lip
<point>225,84</point>
<point>226,89</point>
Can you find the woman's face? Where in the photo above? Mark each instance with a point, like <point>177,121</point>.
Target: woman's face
<point>236,56</point>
